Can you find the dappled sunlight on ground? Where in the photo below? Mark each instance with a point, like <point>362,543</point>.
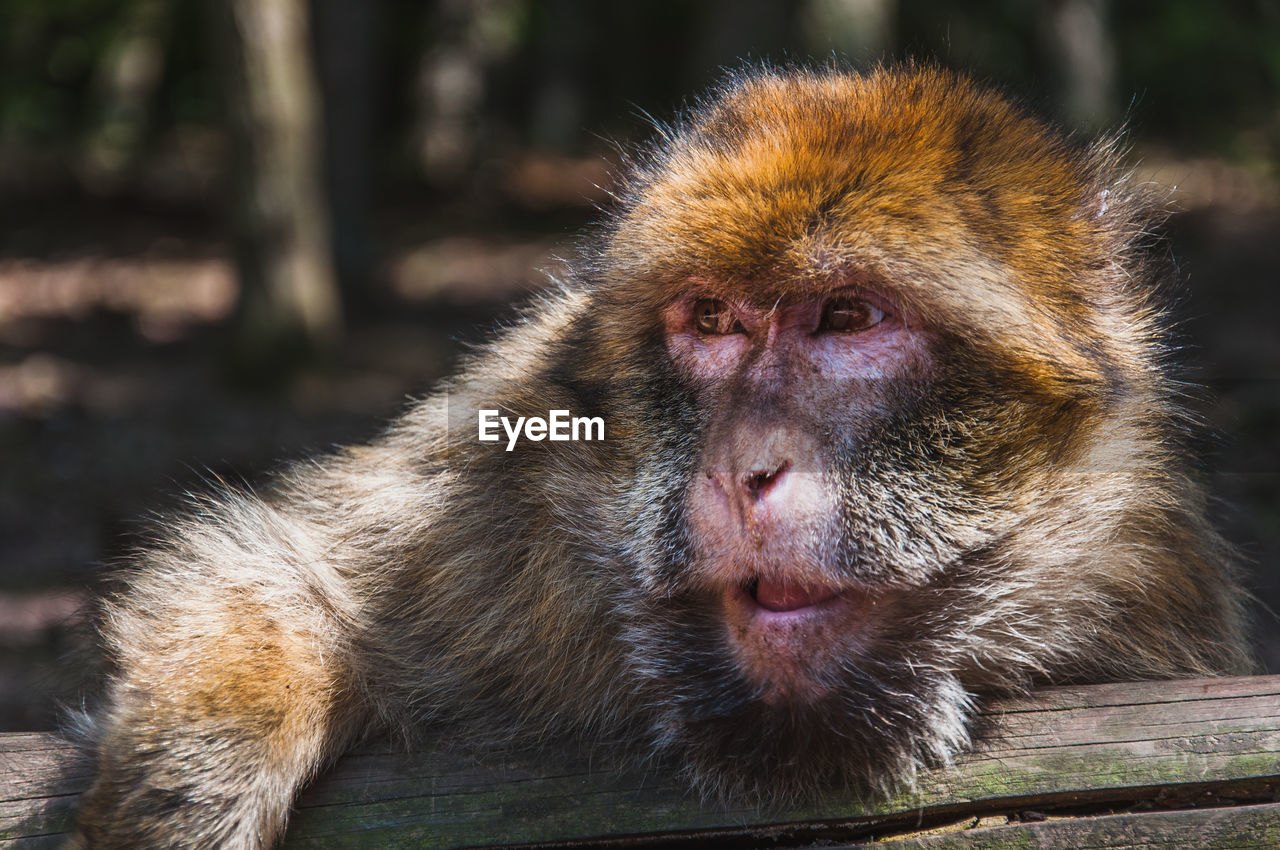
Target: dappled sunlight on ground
<point>161,295</point>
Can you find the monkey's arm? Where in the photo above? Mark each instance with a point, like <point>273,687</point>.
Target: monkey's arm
<point>232,683</point>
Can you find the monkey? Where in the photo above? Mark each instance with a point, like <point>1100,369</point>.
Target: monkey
<point>891,426</point>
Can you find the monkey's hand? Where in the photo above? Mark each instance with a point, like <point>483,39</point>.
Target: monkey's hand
<point>231,687</point>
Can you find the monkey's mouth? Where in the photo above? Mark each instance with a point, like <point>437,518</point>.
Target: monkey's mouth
<point>790,637</point>
<point>783,596</point>
<point>761,603</point>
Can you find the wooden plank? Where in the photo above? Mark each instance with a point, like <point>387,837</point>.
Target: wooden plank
<point>1236,828</point>
<point>1058,750</point>
<point>41,778</point>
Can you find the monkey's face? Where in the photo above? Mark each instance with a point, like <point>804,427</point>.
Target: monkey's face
<point>818,525</point>
<point>798,394</point>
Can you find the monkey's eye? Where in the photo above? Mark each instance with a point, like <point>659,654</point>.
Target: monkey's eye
<point>712,316</point>
<point>849,315</point>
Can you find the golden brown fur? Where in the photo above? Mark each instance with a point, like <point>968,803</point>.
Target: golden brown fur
<point>1019,503</point>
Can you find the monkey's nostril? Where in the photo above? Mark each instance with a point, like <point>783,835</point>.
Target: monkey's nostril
<point>760,481</point>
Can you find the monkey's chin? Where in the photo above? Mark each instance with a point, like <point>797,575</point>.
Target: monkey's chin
<point>791,641</point>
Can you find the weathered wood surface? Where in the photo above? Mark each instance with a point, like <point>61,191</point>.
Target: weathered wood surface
<point>1154,764</point>
<point>1237,828</point>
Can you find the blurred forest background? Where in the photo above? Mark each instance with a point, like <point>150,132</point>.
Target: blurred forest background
<point>238,231</point>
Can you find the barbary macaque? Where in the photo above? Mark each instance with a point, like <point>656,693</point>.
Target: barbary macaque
<point>888,426</point>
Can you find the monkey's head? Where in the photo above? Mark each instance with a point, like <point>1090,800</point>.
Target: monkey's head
<point>903,433</point>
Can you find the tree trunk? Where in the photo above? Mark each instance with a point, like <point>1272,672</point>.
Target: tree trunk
<point>290,305</point>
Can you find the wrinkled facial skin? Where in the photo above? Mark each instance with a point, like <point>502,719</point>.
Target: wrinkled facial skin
<point>784,529</point>
<point>821,532</point>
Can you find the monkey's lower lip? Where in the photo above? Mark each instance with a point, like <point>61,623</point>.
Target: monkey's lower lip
<point>780,595</point>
